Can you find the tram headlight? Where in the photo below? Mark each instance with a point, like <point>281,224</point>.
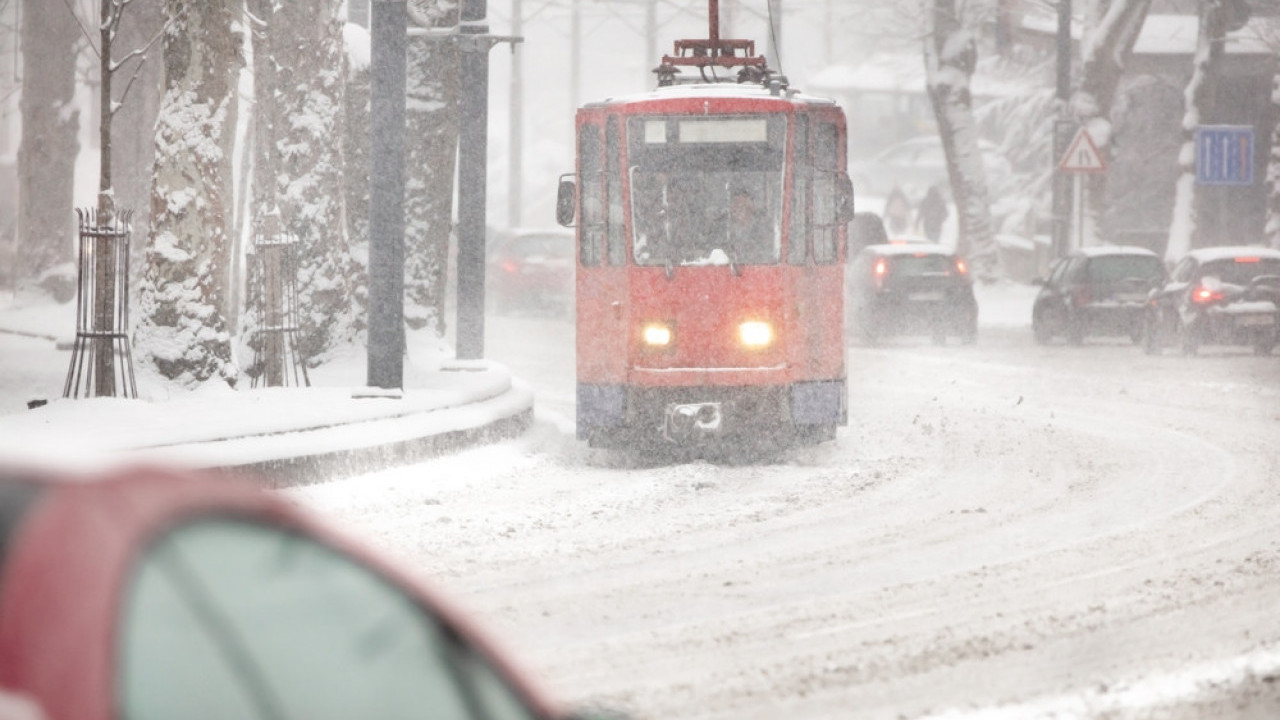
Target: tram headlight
<point>755,333</point>
<point>657,335</point>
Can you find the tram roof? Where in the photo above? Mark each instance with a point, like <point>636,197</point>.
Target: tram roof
<point>726,90</point>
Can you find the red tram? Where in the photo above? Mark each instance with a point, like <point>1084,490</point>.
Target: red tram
<point>711,232</point>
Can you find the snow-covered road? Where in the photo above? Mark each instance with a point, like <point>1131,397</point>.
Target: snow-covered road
<point>1004,530</point>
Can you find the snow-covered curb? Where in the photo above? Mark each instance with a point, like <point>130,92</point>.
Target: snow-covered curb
<point>274,428</point>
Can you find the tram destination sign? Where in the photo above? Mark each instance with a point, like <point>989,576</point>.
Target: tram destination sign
<point>1224,155</point>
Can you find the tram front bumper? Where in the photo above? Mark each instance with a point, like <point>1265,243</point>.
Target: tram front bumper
<point>681,413</point>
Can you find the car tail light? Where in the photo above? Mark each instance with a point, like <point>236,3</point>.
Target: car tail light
<point>962,267</point>
<point>1203,295</point>
<point>1248,259</point>
<point>511,266</point>
<point>1081,296</point>
<point>880,272</point>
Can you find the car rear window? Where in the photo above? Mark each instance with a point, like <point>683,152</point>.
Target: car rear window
<point>921,264</point>
<point>1238,271</point>
<point>1119,267</point>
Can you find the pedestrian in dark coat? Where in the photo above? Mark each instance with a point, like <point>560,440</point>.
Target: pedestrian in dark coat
<point>932,213</point>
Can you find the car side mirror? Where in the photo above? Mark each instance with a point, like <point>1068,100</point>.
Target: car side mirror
<point>566,201</point>
<point>844,199</point>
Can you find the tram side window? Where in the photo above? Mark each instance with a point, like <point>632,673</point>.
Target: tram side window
<point>826,161</point>
<point>591,210</point>
<point>800,183</point>
<point>617,249</point>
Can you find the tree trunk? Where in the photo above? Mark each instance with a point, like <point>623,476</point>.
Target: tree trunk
<point>47,156</point>
<point>133,146</point>
<point>950,53</point>
<point>355,155</point>
<point>431,119</point>
<point>264,210</point>
<point>183,331</point>
<point>1184,231</point>
<point>1105,49</point>
<point>1272,230</point>
<point>306,40</point>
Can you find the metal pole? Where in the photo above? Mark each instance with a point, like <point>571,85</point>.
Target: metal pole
<point>473,113</point>
<point>650,41</point>
<point>1061,184</point>
<point>515,127</point>
<point>775,34</point>
<point>1077,213</point>
<point>389,38</point>
<point>575,56</point>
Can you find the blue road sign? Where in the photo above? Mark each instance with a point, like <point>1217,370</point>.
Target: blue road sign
<point>1224,155</point>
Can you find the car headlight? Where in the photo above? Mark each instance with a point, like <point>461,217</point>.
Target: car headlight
<point>657,335</point>
<point>755,333</point>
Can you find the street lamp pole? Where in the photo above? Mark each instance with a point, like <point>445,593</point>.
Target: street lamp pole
<point>389,40</point>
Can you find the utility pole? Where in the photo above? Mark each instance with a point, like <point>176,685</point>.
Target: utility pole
<point>1064,131</point>
<point>388,34</point>
<point>473,150</point>
<point>515,127</point>
<point>575,56</point>
<point>650,42</point>
<point>828,33</point>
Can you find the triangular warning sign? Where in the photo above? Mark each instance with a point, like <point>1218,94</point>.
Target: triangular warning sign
<point>1082,155</point>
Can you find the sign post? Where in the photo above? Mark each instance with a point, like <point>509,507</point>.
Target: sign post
<point>1081,157</point>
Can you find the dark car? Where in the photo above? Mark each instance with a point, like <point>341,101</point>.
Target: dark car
<point>911,289</point>
<point>1217,296</point>
<point>1096,291</point>
<point>139,593</point>
<point>532,271</point>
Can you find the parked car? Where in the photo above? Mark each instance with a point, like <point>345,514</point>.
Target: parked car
<point>911,288</point>
<point>532,271</point>
<point>142,593</point>
<point>917,164</point>
<point>1095,291</point>
<point>1220,296</point>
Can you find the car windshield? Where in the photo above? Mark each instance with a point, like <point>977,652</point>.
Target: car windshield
<point>706,191</point>
<point>1240,271</point>
<point>1112,268</point>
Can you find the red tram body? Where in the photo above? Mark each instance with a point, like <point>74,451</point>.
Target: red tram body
<point>711,229</point>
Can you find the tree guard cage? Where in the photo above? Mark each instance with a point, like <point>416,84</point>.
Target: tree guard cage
<point>275,343</point>
<point>102,308</point>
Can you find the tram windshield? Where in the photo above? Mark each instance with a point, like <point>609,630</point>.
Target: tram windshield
<point>707,190</point>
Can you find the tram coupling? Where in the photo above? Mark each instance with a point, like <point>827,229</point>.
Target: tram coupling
<point>685,422</point>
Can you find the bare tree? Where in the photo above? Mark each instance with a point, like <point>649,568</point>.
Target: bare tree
<point>183,330</point>
<point>136,102</point>
<point>1111,30</point>
<point>47,155</point>
<point>1272,230</point>
<point>431,121</point>
<point>951,56</point>
<point>1185,229</point>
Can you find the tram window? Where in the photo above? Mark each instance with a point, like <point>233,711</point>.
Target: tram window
<point>800,182</point>
<point>591,189</point>
<point>617,254</point>
<point>712,194</point>
<point>825,222</point>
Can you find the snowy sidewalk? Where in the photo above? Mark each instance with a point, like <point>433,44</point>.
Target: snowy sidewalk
<point>287,435</point>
